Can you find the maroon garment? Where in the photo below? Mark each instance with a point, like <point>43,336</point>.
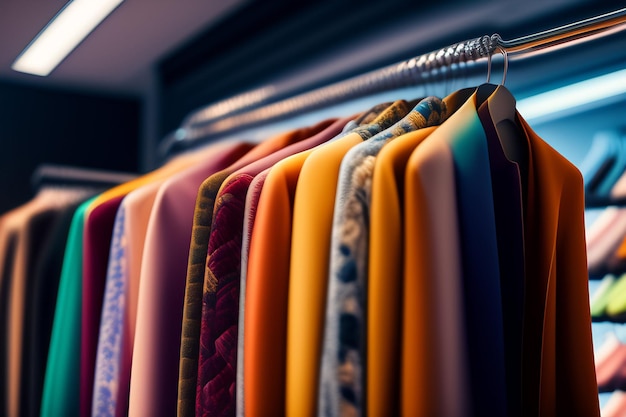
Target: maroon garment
<point>218,337</point>
<point>220,302</point>
<point>201,230</point>
<point>97,241</point>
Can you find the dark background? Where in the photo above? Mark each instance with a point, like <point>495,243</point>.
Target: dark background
<point>44,125</point>
<point>294,46</point>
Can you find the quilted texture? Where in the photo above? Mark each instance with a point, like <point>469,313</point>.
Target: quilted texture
<point>203,216</point>
<point>220,304</point>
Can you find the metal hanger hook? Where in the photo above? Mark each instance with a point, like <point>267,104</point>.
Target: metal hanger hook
<point>505,55</point>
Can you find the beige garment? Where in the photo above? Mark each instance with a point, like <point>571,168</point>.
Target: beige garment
<point>138,205</point>
<point>434,370</point>
<point>16,221</point>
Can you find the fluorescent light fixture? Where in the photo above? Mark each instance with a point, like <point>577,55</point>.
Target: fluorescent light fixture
<point>573,95</point>
<point>62,34</point>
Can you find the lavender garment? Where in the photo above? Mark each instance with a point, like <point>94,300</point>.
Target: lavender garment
<point>117,324</point>
<point>110,339</point>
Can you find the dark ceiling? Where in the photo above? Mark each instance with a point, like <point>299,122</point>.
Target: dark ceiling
<point>200,51</point>
<point>294,46</point>
<point>118,55</point>
<point>177,56</point>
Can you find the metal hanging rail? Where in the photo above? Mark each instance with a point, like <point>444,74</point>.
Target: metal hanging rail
<point>563,36</point>
<point>249,109</point>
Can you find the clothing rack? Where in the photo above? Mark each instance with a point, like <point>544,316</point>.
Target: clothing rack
<point>62,175</point>
<point>257,106</point>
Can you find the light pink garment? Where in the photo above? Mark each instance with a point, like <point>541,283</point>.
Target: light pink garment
<point>154,369</point>
<point>112,375</point>
<point>432,165</point>
<point>610,363</point>
<point>611,367</point>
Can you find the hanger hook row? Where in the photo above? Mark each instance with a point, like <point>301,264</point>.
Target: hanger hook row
<point>505,55</point>
<point>488,68</point>
<point>496,44</point>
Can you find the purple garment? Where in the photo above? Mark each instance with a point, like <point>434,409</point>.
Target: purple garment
<point>507,201</point>
<point>106,379</point>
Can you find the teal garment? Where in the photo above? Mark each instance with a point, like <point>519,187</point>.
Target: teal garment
<point>61,384</point>
<point>341,383</point>
<point>480,266</point>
